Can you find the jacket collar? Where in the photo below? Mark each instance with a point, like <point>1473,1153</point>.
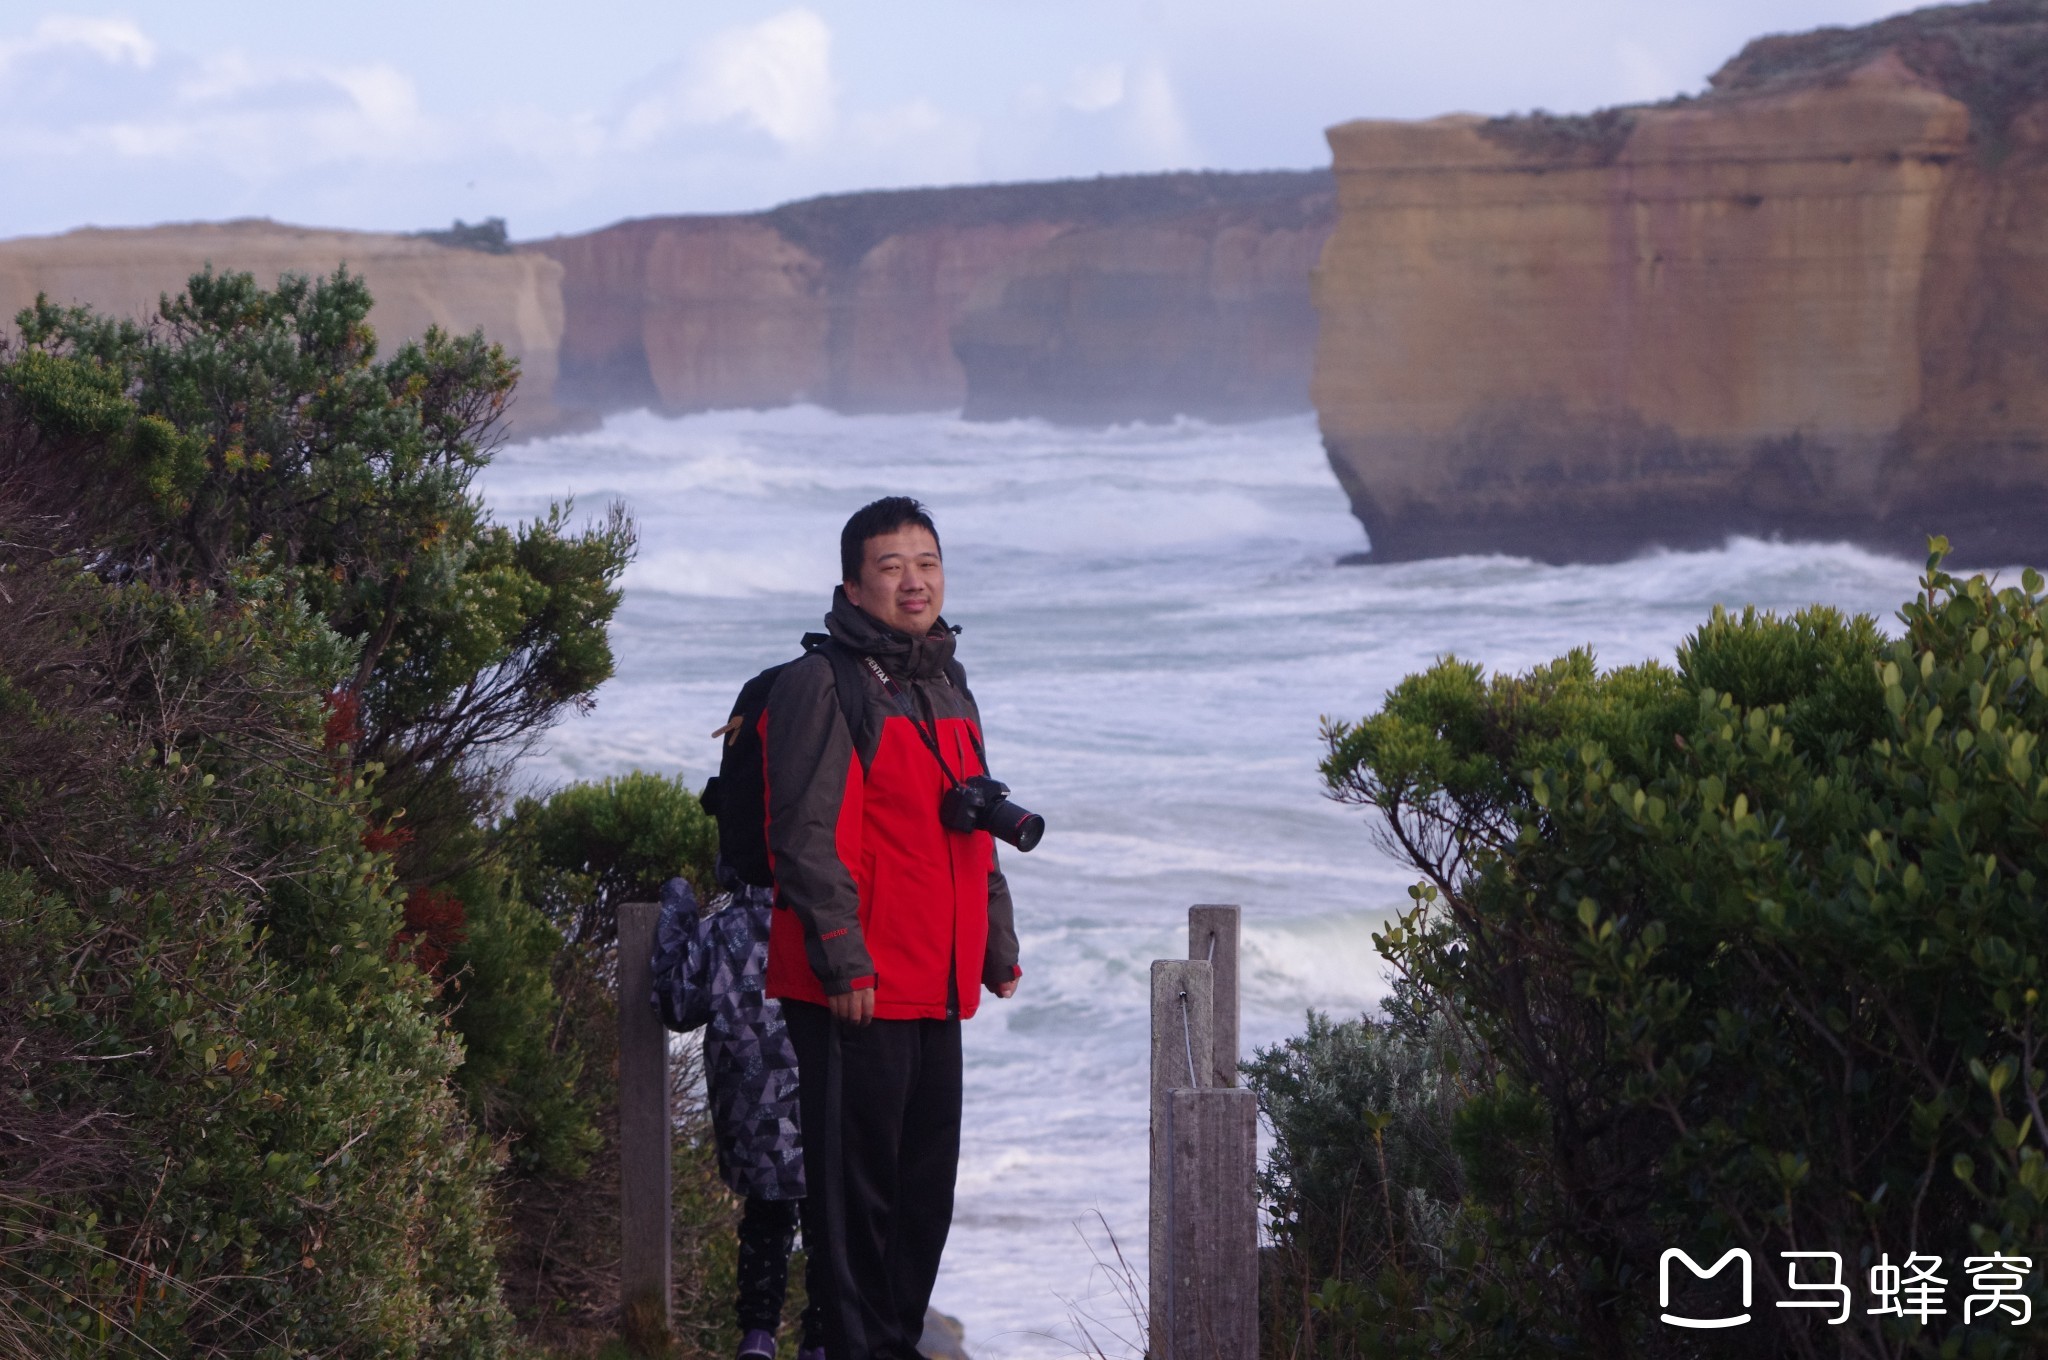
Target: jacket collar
<point>903,656</point>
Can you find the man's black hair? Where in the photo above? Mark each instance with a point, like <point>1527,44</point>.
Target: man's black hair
<point>874,519</point>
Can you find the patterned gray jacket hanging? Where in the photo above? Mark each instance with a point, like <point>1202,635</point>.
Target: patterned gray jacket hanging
<point>710,970</point>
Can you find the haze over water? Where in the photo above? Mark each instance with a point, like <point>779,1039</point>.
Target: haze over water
<point>1154,623</point>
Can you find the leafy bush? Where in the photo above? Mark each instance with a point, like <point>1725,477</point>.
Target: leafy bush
<point>1749,953</point>
<point>578,854</point>
<point>225,1127</point>
<point>263,657</point>
<point>1363,1182</point>
<point>538,963</point>
<point>589,847</point>
<point>522,1068</point>
<point>248,421</point>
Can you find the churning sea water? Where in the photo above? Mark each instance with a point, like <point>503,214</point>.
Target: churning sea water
<point>1155,623</point>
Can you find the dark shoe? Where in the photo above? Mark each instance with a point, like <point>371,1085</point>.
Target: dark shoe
<point>811,1353</point>
<point>757,1345</point>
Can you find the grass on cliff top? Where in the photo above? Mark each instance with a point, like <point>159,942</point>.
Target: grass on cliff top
<point>1992,58</point>
<point>840,229</point>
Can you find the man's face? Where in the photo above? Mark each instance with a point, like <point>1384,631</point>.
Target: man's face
<point>902,582</point>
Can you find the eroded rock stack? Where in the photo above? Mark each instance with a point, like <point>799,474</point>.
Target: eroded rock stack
<point>1813,303</point>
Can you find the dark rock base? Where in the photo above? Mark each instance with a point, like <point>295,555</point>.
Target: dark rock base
<point>1700,497</point>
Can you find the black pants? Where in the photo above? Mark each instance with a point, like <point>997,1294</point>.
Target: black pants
<point>881,1118</point>
<point>767,1228</point>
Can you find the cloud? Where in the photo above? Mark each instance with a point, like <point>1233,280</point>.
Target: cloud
<point>1155,125</point>
<point>99,92</point>
<point>756,114</point>
<point>1095,88</point>
<point>378,94</point>
<point>773,77</point>
<point>1116,117</point>
<point>916,142</point>
<point>267,119</point>
<point>114,41</point>
<point>1644,76</point>
<point>1145,114</point>
<point>99,115</point>
<point>113,121</point>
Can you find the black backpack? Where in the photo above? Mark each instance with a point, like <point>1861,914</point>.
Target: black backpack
<point>738,794</point>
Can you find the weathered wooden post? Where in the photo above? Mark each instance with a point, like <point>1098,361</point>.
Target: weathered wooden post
<point>644,1132</point>
<point>1181,1045</point>
<point>1213,935</point>
<point>1212,1255</point>
<point>1203,1263</point>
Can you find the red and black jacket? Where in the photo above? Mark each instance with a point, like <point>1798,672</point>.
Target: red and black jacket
<point>878,893</point>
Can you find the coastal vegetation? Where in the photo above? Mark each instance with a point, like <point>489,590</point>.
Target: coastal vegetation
<point>1992,58</point>
<point>1740,951</point>
<point>304,1033</point>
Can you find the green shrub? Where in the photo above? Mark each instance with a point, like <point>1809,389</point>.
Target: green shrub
<point>521,1067</point>
<point>240,545</point>
<point>578,854</point>
<point>589,847</point>
<point>529,978</point>
<point>227,1128</point>
<point>1363,1184</point>
<point>1750,952</point>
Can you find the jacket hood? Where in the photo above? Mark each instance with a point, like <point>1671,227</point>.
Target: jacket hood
<point>903,656</point>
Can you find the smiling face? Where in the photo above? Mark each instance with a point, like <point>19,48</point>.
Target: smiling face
<point>902,581</point>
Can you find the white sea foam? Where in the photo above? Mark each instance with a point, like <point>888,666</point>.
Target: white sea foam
<point>727,573</point>
<point>1156,622</point>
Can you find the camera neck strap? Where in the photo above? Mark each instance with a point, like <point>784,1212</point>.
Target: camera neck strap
<point>926,724</point>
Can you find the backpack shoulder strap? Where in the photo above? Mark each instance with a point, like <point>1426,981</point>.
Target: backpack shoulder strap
<point>847,679</point>
<point>956,675</point>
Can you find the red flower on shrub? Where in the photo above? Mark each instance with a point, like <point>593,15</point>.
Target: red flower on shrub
<point>385,840</point>
<point>434,920</point>
<point>344,725</point>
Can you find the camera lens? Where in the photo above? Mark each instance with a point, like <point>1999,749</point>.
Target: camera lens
<point>1013,825</point>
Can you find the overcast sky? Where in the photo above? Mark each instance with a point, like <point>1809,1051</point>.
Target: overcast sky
<point>563,115</point>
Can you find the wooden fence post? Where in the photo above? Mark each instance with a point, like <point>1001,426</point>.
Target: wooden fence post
<point>644,1133</point>
<point>1213,935</point>
<point>1212,1255</point>
<point>1203,1265</point>
<point>1181,1058</point>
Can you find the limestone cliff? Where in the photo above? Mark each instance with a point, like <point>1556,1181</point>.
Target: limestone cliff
<point>1204,314</point>
<point>1813,302</point>
<point>1133,297</point>
<point>515,298</point>
<point>1109,299</point>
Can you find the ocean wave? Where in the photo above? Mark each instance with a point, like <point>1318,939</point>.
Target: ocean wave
<point>724,573</point>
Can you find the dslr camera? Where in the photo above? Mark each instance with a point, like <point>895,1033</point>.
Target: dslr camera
<point>980,803</point>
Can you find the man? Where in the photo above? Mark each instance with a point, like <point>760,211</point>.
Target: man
<point>890,924</point>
